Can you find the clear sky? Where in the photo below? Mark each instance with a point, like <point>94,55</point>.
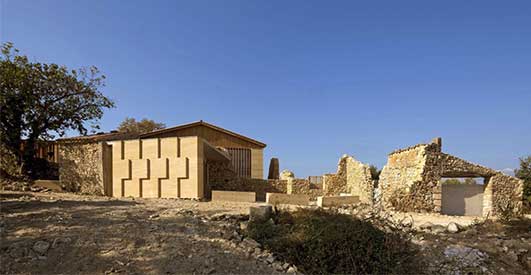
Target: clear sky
<point>312,79</point>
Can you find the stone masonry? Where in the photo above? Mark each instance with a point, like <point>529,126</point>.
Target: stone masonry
<point>81,167</point>
<point>411,181</point>
<point>352,177</point>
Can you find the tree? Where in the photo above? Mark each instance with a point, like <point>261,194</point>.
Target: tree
<point>451,181</point>
<point>130,125</point>
<point>40,100</point>
<point>524,173</point>
<point>375,173</point>
<point>470,181</point>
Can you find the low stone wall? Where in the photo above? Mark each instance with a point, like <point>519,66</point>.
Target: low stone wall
<point>337,201</point>
<point>304,187</point>
<point>278,198</point>
<point>81,167</point>
<point>222,177</point>
<point>334,184</point>
<point>233,196</point>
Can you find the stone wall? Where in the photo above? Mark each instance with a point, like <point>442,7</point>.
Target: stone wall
<point>411,181</point>
<point>404,182</point>
<point>222,177</point>
<point>81,167</point>
<point>506,195</point>
<point>352,177</point>
<point>304,187</point>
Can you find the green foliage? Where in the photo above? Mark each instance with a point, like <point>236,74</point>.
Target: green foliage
<point>452,181</point>
<point>524,173</point>
<point>130,125</point>
<point>326,242</point>
<point>375,173</point>
<point>40,100</point>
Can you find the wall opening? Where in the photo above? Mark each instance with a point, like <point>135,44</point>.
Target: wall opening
<point>462,196</point>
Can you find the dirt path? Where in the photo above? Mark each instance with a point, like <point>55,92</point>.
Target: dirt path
<point>64,233</point>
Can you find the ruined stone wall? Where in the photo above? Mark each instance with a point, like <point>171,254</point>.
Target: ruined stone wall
<point>411,181</point>
<point>452,166</point>
<point>222,177</point>
<point>81,167</point>
<point>405,183</point>
<point>303,186</point>
<point>334,184</point>
<point>352,177</point>
<point>506,195</point>
<point>359,180</point>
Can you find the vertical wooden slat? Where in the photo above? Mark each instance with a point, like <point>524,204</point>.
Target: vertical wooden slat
<point>241,161</point>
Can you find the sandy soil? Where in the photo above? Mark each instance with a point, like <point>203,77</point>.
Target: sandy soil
<point>86,234</point>
<point>61,233</point>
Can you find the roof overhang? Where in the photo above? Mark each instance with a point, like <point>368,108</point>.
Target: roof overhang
<point>202,123</point>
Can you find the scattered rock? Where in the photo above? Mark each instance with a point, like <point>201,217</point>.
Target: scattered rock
<point>243,226</point>
<point>41,247</point>
<point>292,269</point>
<point>452,227</point>
<point>465,256</point>
<point>17,251</point>
<point>512,257</point>
<point>250,243</point>
<point>437,229</point>
<point>270,259</point>
<point>261,212</point>
<point>154,216</point>
<point>277,266</point>
<point>236,236</point>
<point>426,226</point>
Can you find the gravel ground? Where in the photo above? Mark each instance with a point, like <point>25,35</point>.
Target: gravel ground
<point>61,233</point>
<point>50,233</point>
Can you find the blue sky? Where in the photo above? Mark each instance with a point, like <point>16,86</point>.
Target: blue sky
<point>312,79</point>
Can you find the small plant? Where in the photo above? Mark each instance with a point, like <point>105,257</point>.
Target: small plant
<point>326,242</point>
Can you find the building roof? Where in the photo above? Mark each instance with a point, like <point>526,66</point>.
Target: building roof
<point>100,137</point>
<point>202,123</point>
<point>119,135</point>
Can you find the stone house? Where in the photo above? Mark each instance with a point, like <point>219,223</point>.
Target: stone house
<point>411,181</point>
<point>172,162</point>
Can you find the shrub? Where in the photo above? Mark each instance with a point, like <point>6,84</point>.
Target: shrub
<point>324,242</point>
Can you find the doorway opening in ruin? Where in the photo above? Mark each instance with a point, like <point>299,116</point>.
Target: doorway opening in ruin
<point>462,196</point>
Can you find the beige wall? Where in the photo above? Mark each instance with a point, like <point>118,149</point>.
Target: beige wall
<point>151,168</point>
<point>462,199</point>
<point>257,163</point>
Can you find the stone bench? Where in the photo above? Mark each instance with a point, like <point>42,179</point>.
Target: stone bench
<point>233,196</point>
<point>337,200</point>
<point>280,198</point>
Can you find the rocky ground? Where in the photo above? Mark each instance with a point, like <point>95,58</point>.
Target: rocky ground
<point>464,245</point>
<point>50,233</point>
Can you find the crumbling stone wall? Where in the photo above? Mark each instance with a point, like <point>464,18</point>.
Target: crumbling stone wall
<point>404,182</point>
<point>352,177</point>
<point>334,184</point>
<point>222,177</point>
<point>303,186</point>
<point>411,181</point>
<point>81,167</point>
<point>505,195</point>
